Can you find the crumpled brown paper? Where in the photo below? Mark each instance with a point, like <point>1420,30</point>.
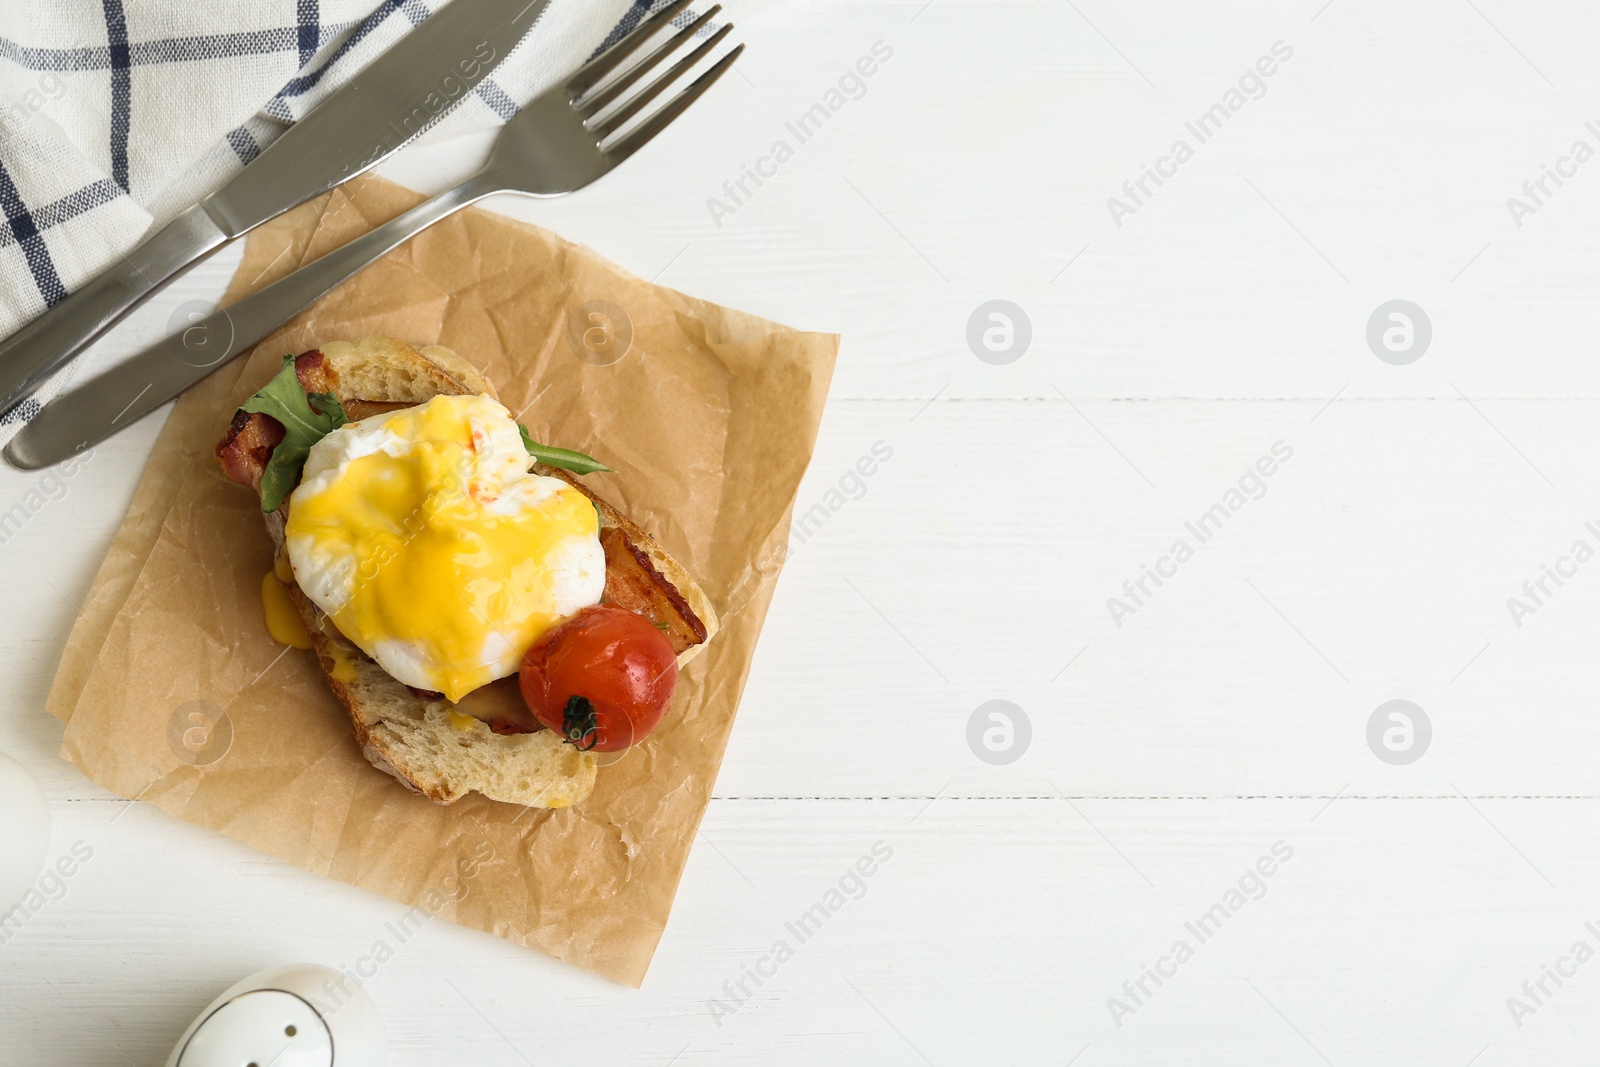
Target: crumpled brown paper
<point>174,693</point>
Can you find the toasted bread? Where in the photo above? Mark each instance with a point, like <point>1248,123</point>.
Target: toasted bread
<point>424,742</point>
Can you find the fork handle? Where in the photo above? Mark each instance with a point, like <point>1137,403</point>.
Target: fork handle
<point>114,400</point>
<point>31,354</point>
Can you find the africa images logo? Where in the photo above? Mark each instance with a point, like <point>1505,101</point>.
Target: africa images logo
<point>1252,85</point>
<point>1251,885</point>
<point>851,85</point>
<point>851,885</point>
<point>1252,485</point>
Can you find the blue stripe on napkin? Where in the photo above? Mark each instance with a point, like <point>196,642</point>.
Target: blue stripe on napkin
<point>310,36</point>
<point>121,88</point>
<point>25,231</point>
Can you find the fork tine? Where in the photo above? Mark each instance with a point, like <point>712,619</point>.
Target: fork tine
<point>619,118</point>
<point>592,106</point>
<point>589,75</point>
<point>641,136</point>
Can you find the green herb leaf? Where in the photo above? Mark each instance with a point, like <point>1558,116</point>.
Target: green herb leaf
<point>564,458</point>
<point>328,406</point>
<point>306,420</point>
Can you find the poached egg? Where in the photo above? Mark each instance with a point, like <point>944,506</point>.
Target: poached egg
<point>423,536</point>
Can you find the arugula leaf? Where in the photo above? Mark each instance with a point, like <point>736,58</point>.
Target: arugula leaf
<point>306,420</point>
<point>564,458</point>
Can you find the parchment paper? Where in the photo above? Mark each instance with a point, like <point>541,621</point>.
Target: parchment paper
<point>174,693</point>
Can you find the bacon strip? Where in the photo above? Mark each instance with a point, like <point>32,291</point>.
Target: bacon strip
<point>356,410</point>
<point>316,374</point>
<point>251,437</point>
<point>248,446</point>
<point>632,582</point>
<point>500,704</point>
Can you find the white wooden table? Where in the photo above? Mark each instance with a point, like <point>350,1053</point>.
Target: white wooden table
<point>1181,743</point>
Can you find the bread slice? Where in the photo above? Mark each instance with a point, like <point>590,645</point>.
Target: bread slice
<point>424,742</point>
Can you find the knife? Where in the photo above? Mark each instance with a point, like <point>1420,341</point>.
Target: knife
<point>390,101</point>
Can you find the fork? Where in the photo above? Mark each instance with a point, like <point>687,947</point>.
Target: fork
<point>556,144</point>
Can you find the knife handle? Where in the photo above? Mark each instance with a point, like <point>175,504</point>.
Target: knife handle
<point>31,354</point>
<point>88,414</point>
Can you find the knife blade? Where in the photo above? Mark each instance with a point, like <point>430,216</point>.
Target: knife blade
<point>391,100</point>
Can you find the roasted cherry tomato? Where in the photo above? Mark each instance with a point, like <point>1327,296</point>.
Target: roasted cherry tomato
<point>602,679</point>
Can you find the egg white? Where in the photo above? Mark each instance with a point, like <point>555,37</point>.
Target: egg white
<point>501,485</point>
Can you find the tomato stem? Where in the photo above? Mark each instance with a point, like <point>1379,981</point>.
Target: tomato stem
<point>578,723</point>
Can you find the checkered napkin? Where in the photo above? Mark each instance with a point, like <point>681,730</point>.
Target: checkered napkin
<point>115,115</point>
